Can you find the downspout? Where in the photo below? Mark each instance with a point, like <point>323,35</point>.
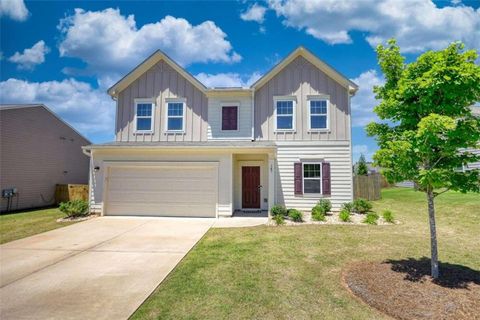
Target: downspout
<point>253,114</point>
<point>88,153</point>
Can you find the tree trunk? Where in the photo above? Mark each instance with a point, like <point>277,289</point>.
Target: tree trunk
<point>433,234</point>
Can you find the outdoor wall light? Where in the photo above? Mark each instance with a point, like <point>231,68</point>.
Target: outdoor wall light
<point>96,169</point>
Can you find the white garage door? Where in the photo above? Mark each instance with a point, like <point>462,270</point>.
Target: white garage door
<point>170,189</point>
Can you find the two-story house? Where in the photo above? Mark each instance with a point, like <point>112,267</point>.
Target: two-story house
<point>183,149</point>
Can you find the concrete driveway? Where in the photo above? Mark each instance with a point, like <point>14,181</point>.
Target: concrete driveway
<point>102,268</point>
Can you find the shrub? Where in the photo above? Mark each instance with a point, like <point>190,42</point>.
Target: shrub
<point>371,218</point>
<point>348,206</point>
<point>279,220</point>
<point>318,213</point>
<point>74,208</point>
<point>295,215</point>
<point>344,215</point>
<point>361,206</point>
<point>325,204</point>
<point>278,210</point>
<point>388,216</point>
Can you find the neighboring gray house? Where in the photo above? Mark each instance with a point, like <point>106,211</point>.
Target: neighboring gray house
<point>474,165</point>
<point>38,150</point>
<point>183,149</point>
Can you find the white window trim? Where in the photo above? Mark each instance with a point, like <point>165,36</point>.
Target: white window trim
<point>227,104</point>
<point>175,100</point>
<point>320,178</point>
<point>152,123</point>
<point>294,120</point>
<point>318,98</point>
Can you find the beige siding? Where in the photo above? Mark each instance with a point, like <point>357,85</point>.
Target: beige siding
<point>38,151</point>
<point>301,79</point>
<point>162,82</point>
<point>339,156</point>
<point>244,118</point>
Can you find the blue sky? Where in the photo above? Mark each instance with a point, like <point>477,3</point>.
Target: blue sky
<point>66,54</point>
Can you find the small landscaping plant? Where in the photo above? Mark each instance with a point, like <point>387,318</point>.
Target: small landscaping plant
<point>325,204</point>
<point>388,216</point>
<point>279,220</point>
<point>278,210</point>
<point>318,214</point>
<point>348,206</point>
<point>371,218</point>
<point>74,208</point>
<point>344,215</point>
<point>361,206</point>
<point>295,215</point>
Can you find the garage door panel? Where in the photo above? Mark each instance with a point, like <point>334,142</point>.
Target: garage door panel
<point>173,190</point>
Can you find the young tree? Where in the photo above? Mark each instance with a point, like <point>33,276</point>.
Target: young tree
<point>428,121</point>
<point>362,168</point>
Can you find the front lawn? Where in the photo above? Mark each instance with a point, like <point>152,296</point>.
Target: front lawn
<point>24,224</point>
<point>295,272</point>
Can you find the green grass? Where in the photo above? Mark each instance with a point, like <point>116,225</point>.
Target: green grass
<point>295,272</point>
<point>23,224</point>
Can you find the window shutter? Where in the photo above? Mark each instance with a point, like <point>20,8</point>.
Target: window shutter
<point>297,173</point>
<point>326,181</point>
<point>229,118</point>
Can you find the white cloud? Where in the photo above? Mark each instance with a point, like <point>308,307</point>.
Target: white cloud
<point>360,149</point>
<point>14,9</point>
<point>31,57</point>
<point>364,100</point>
<point>254,13</point>
<point>418,25</point>
<point>111,44</point>
<point>227,79</point>
<point>88,110</point>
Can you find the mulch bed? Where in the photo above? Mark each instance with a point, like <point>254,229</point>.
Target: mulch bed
<point>403,289</point>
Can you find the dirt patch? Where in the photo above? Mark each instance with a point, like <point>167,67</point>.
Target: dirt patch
<point>403,289</point>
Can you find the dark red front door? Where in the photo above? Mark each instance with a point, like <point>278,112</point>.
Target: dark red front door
<point>251,187</point>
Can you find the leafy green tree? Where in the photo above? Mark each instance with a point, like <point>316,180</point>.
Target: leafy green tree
<point>427,121</point>
<point>362,168</point>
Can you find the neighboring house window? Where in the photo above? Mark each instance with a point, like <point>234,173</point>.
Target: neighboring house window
<point>318,114</point>
<point>230,118</point>
<point>312,178</point>
<point>175,116</point>
<point>144,116</point>
<point>285,115</point>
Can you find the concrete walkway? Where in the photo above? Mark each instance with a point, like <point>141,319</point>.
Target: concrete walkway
<point>102,268</point>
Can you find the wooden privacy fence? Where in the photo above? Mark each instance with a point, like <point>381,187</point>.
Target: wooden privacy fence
<point>367,187</point>
<point>68,192</point>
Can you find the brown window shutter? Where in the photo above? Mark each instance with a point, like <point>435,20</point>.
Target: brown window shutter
<point>326,180</point>
<point>298,181</point>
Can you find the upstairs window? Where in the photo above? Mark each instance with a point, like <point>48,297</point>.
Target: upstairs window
<point>318,114</point>
<point>144,116</point>
<point>175,116</point>
<point>229,118</point>
<point>285,115</point>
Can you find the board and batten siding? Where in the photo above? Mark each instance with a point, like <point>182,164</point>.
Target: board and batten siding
<point>338,154</point>
<point>159,83</point>
<point>244,118</point>
<point>302,79</point>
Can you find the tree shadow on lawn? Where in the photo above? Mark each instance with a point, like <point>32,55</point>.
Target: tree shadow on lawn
<point>453,276</point>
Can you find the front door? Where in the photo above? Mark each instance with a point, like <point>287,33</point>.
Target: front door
<point>251,187</point>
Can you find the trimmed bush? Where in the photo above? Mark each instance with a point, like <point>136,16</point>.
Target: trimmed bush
<point>74,208</point>
<point>295,215</point>
<point>279,220</point>
<point>278,210</point>
<point>388,216</point>
<point>344,215</point>
<point>325,204</point>
<point>371,218</point>
<point>362,206</point>
<point>318,213</point>
<point>348,206</point>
